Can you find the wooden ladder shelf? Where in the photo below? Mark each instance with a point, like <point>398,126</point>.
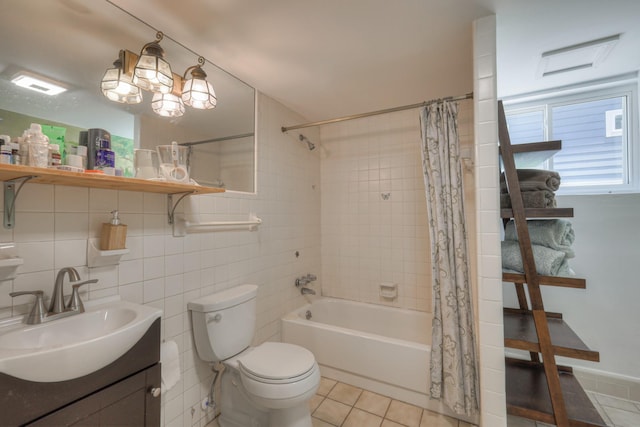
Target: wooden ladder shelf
<point>538,388</point>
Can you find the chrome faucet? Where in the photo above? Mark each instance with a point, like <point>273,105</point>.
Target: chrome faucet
<point>57,298</point>
<point>57,308</point>
<point>302,281</point>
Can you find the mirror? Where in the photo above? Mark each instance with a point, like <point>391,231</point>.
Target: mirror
<point>74,42</point>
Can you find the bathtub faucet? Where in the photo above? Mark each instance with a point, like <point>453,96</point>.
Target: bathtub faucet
<point>305,291</point>
<point>304,280</point>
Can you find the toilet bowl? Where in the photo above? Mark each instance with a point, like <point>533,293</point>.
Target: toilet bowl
<point>267,385</point>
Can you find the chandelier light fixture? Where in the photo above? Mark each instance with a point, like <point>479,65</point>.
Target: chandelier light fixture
<point>167,105</point>
<point>117,84</point>
<point>132,73</point>
<point>197,92</point>
<point>152,72</point>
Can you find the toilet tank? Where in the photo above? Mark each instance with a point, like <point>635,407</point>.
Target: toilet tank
<point>224,322</point>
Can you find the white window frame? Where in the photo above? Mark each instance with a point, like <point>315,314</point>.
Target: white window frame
<point>631,156</point>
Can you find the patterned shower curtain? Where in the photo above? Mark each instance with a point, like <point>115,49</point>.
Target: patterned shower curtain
<point>454,367</point>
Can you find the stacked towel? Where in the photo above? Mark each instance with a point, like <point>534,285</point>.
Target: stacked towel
<point>534,179</point>
<point>551,241</point>
<point>549,262</point>
<point>531,199</point>
<point>556,234</point>
<point>537,187</point>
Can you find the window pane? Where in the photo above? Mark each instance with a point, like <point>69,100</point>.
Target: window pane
<point>526,127</point>
<point>592,144</point>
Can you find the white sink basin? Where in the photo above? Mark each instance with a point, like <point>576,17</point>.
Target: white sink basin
<point>73,346</point>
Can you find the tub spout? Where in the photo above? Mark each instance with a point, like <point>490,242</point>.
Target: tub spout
<point>306,291</point>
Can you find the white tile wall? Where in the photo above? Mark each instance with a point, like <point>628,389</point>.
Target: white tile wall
<point>493,408</point>
<point>374,215</point>
<point>53,224</point>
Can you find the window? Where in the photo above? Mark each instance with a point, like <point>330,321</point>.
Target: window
<point>596,133</point>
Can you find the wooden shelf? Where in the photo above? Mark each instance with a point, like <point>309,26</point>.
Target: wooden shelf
<point>75,179</point>
<point>563,282</point>
<point>520,333</point>
<point>533,154</point>
<point>540,213</point>
<point>528,396</point>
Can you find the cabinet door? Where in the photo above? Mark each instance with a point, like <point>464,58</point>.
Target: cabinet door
<point>125,403</point>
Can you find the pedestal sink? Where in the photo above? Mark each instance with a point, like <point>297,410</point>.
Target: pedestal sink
<point>74,346</point>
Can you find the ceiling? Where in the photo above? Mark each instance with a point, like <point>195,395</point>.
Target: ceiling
<point>330,58</point>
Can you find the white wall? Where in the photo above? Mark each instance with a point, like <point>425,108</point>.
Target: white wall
<point>54,222</point>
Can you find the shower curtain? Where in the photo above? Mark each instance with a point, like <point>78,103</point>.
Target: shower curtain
<point>454,366</point>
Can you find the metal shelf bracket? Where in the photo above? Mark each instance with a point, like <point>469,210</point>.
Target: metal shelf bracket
<point>10,196</point>
<point>171,207</point>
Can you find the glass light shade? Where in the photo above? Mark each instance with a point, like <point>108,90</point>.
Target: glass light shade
<point>167,105</point>
<point>197,92</point>
<point>152,72</point>
<point>117,86</point>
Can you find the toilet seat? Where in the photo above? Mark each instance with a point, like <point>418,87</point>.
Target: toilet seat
<point>277,363</point>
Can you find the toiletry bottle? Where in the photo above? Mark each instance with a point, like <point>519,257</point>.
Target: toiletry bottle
<point>5,154</point>
<point>105,158</point>
<point>114,234</point>
<point>55,159</point>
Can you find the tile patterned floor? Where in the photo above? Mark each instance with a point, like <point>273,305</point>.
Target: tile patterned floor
<point>341,405</point>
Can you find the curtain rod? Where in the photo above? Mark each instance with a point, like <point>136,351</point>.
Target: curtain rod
<point>375,113</point>
<point>224,138</point>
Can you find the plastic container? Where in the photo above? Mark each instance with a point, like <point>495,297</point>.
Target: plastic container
<point>55,159</point>
<point>173,162</point>
<point>146,163</point>
<point>38,146</point>
<point>5,154</point>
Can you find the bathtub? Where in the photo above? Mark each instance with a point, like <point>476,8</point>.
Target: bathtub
<point>382,349</point>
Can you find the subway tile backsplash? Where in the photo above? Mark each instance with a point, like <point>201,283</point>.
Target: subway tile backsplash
<point>374,214</point>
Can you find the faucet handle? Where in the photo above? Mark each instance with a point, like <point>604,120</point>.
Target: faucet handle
<point>311,277</point>
<point>38,311</point>
<point>75,303</point>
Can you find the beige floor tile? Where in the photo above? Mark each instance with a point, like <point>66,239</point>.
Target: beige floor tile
<point>358,418</point>
<point>389,423</point>
<point>433,419</point>
<point>315,422</point>
<point>622,418</point>
<point>404,413</point>
<point>314,402</point>
<point>325,387</point>
<point>332,412</point>
<point>374,403</point>
<point>345,393</point>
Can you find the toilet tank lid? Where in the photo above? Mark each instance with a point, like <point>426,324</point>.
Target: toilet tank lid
<point>224,299</point>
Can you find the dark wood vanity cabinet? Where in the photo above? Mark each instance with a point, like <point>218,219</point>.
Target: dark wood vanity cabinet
<point>117,395</point>
<point>125,403</point>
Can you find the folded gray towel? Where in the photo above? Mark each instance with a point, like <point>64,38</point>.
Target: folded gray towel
<point>549,262</point>
<point>531,199</point>
<point>556,234</point>
<point>534,179</point>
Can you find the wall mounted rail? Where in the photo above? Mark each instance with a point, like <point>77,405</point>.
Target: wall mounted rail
<point>182,227</point>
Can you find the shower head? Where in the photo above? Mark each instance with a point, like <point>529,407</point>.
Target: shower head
<point>310,144</point>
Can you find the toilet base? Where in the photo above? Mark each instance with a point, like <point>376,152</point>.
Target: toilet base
<point>298,416</point>
<point>238,410</point>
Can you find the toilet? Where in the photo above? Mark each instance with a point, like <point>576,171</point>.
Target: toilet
<point>264,386</point>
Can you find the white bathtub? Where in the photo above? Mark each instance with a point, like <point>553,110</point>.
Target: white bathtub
<point>382,349</point>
